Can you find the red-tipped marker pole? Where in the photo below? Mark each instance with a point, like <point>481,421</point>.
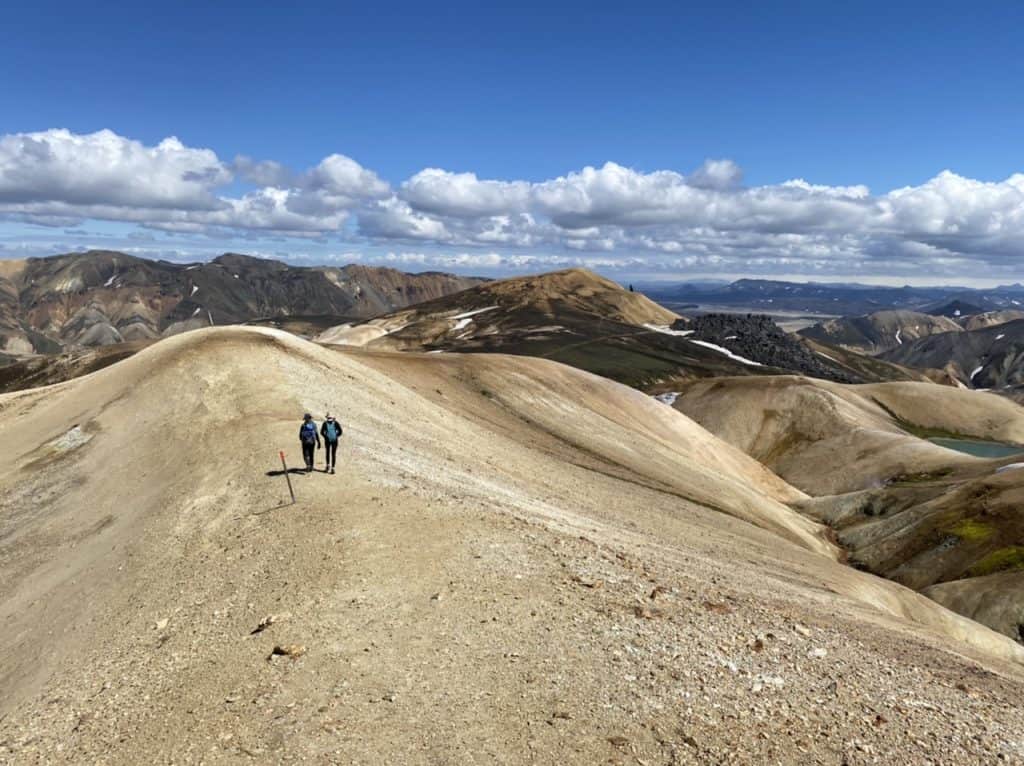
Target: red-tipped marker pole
<point>287,478</point>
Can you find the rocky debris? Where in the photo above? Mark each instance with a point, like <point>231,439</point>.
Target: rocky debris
<point>287,650</point>
<point>266,622</point>
<point>758,338</point>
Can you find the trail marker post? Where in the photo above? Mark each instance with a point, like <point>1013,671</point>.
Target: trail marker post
<point>287,478</point>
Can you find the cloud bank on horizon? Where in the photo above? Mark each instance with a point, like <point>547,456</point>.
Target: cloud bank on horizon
<point>609,217</point>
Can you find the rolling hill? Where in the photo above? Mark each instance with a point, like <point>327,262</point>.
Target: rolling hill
<point>878,332</point>
<point>926,516</point>
<point>516,558</point>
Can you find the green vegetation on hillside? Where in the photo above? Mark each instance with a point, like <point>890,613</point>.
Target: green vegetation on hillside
<point>1002,560</point>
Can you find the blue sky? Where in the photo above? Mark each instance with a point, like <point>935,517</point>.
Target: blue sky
<point>864,99</point>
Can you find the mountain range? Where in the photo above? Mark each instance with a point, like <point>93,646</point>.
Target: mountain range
<point>834,299</point>
<point>97,298</point>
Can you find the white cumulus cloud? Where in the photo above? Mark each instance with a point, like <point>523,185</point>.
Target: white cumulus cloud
<point>705,219</point>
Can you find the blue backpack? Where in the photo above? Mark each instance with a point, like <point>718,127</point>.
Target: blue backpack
<point>331,430</point>
<point>308,433</point>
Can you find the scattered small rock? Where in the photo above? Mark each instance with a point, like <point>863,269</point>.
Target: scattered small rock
<point>717,608</point>
<point>287,650</point>
<point>802,630</point>
<point>162,623</point>
<point>267,621</point>
<point>817,653</point>
<point>618,740</point>
<point>587,583</point>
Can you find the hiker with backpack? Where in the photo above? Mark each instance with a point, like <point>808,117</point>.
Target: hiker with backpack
<point>331,431</point>
<point>310,440</point>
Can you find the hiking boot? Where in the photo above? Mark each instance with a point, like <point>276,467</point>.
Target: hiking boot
<point>332,469</point>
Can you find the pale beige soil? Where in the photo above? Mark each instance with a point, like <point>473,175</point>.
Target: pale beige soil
<point>516,563</point>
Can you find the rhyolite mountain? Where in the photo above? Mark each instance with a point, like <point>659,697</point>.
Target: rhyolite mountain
<point>584,320</point>
<point>100,298</point>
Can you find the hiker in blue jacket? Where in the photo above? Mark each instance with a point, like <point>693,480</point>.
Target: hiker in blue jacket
<point>310,440</point>
<point>331,431</point>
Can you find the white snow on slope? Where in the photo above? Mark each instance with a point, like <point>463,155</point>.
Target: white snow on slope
<point>1000,336</point>
<point>110,281</point>
<point>466,317</point>
<point>976,371</point>
<point>727,352</point>
<point>1009,467</point>
<point>195,289</point>
<point>669,397</point>
<point>467,314</point>
<point>899,336</point>
<point>668,330</point>
<point>198,309</point>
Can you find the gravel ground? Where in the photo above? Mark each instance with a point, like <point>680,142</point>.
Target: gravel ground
<point>470,587</point>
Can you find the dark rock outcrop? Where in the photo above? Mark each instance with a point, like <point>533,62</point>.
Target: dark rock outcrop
<point>758,338</point>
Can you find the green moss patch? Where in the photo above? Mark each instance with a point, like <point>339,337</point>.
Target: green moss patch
<point>1002,560</point>
<point>972,530</point>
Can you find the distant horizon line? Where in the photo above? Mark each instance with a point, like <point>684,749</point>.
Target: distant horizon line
<point>639,279</point>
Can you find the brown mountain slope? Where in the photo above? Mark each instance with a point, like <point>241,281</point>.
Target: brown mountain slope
<point>882,331</point>
<point>100,298</point>
<point>581,319</point>
<point>508,565</point>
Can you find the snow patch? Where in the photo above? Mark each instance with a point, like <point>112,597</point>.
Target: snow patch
<point>198,309</point>
<point>1009,467</point>
<point>665,329</point>
<point>467,314</point>
<point>976,371</point>
<point>669,397</point>
<point>195,289</point>
<point>1001,336</point>
<point>728,353</point>
<point>899,336</point>
<point>731,337</point>
<point>110,281</point>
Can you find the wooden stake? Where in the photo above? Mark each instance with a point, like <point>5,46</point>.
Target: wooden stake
<point>287,478</point>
